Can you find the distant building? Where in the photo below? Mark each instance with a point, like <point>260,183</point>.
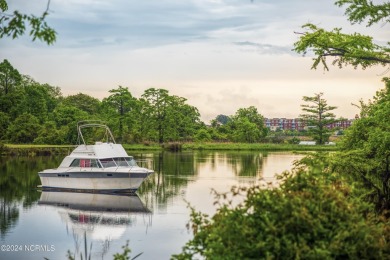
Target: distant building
<point>298,124</point>
<point>284,124</point>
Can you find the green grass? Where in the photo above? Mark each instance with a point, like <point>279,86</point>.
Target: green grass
<point>28,146</point>
<point>193,146</point>
<point>258,146</point>
<point>142,146</point>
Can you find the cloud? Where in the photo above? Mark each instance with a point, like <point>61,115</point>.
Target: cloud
<point>197,49</point>
<point>264,48</point>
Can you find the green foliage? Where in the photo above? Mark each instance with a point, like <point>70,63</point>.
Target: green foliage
<point>360,10</point>
<point>222,119</point>
<point>65,115</point>
<point>311,216</point>
<point>14,25</point>
<point>125,254</point>
<point>4,122</point>
<point>83,102</point>
<point>366,145</point>
<point>294,140</point>
<point>49,134</point>
<point>245,131</point>
<point>202,136</point>
<point>168,118</point>
<point>120,107</point>
<point>157,116</point>
<point>247,125</point>
<point>317,116</point>
<point>366,150</point>
<point>9,77</point>
<point>24,129</point>
<point>347,49</point>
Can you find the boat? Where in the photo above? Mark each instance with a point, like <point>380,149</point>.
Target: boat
<point>101,166</point>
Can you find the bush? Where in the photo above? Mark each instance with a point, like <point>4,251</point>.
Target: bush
<point>202,136</point>
<point>311,216</point>
<point>294,140</point>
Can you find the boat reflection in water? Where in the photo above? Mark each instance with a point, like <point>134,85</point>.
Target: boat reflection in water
<point>95,217</point>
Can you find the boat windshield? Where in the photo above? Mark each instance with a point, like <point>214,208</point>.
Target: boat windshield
<point>131,161</point>
<point>108,162</point>
<point>125,161</point>
<point>85,163</point>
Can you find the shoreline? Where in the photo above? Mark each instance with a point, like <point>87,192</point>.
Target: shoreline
<point>34,150</point>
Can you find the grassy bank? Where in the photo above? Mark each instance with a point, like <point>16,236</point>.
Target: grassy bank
<point>31,150</point>
<point>258,147</point>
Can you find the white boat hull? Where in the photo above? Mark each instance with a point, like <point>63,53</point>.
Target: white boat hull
<point>102,180</point>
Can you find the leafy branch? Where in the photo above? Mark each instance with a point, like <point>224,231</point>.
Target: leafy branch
<point>14,25</point>
<point>347,49</point>
<point>360,10</point>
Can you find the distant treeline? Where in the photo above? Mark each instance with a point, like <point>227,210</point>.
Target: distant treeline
<point>32,112</point>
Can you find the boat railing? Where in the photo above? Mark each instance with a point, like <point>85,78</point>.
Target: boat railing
<point>144,163</point>
<point>108,136</point>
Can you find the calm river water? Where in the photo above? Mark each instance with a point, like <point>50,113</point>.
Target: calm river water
<point>38,225</point>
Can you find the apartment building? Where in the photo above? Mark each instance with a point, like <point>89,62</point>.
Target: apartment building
<point>298,124</point>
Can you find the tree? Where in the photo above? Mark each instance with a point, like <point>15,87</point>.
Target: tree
<point>247,125</point>
<point>168,117</point>
<point>202,135</point>
<point>365,156</point>
<point>157,102</point>
<point>24,129</point>
<point>347,49</point>
<point>222,119</point>
<point>318,117</point>
<point>83,102</point>
<point>9,77</point>
<point>122,102</point>
<point>14,25</point>
<point>34,102</point>
<point>10,81</point>
<point>4,123</point>
<point>366,151</point>
<point>49,134</point>
<point>183,119</point>
<point>245,131</point>
<point>66,118</point>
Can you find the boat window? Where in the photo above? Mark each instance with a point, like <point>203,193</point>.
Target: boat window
<point>109,162</point>
<point>121,161</point>
<point>131,161</point>
<point>75,163</point>
<point>85,163</point>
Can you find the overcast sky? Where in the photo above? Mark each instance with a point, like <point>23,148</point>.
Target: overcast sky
<point>221,55</point>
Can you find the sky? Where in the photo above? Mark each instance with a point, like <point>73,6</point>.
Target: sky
<point>221,55</point>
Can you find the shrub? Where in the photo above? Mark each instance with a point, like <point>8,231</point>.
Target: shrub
<point>312,216</point>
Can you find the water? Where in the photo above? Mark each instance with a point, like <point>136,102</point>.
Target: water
<point>38,225</point>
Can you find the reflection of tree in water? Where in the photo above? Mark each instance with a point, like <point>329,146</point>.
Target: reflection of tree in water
<point>242,163</point>
<point>246,164</point>
<point>9,215</point>
<point>18,181</point>
<point>173,171</point>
